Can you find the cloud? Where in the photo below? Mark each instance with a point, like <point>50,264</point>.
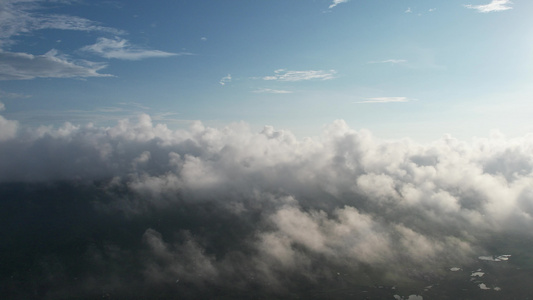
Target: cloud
<point>495,5</point>
<point>388,61</point>
<point>4,94</point>
<point>337,2</point>
<point>22,17</point>
<point>272,91</point>
<point>432,9</point>
<point>204,212</point>
<point>408,10</point>
<point>8,128</point>
<point>285,75</point>
<point>385,100</point>
<point>225,79</point>
<point>17,65</point>
<point>122,49</point>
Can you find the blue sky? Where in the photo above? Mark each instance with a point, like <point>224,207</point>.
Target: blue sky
<point>400,68</point>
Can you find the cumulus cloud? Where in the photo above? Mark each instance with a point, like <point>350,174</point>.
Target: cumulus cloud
<point>17,65</point>
<point>122,49</point>
<point>8,128</point>
<point>286,75</point>
<point>228,211</point>
<point>495,5</point>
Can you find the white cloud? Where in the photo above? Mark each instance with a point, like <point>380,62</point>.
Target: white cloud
<point>16,65</point>
<point>272,91</point>
<point>337,2</point>
<point>495,5</point>
<point>8,128</point>
<point>279,208</point>
<point>4,94</point>
<point>122,49</point>
<point>385,100</point>
<point>225,79</point>
<point>408,10</point>
<point>22,17</point>
<point>388,61</point>
<point>285,75</point>
<point>432,9</point>
<point>203,39</point>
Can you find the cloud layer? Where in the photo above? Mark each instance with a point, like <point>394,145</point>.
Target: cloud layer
<point>205,210</point>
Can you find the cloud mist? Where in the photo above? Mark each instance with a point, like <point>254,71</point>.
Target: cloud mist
<point>139,210</point>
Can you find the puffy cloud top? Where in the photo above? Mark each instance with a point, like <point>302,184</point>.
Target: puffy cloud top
<point>345,197</point>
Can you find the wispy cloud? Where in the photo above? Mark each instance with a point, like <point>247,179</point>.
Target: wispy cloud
<point>4,94</point>
<point>284,75</point>
<point>272,91</point>
<point>337,2</point>
<point>432,9</point>
<point>16,65</point>
<point>388,61</point>
<point>408,10</point>
<point>495,5</point>
<point>122,49</point>
<point>22,17</point>
<point>225,79</point>
<point>385,100</point>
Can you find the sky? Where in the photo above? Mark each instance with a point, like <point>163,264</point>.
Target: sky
<point>375,149</point>
<point>416,69</point>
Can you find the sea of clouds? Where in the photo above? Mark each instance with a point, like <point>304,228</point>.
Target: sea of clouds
<point>226,211</point>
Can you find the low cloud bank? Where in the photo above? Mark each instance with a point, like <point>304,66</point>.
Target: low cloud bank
<point>230,212</point>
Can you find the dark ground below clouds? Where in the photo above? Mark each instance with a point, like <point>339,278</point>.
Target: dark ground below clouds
<point>57,244</point>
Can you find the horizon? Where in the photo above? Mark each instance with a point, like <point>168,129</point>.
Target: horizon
<point>402,69</point>
<point>239,149</point>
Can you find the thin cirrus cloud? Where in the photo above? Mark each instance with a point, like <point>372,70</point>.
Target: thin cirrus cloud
<point>285,75</point>
<point>225,79</point>
<point>17,66</point>
<point>20,17</point>
<point>272,91</point>
<point>495,5</point>
<point>388,61</point>
<point>337,2</point>
<point>385,100</point>
<point>122,49</point>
